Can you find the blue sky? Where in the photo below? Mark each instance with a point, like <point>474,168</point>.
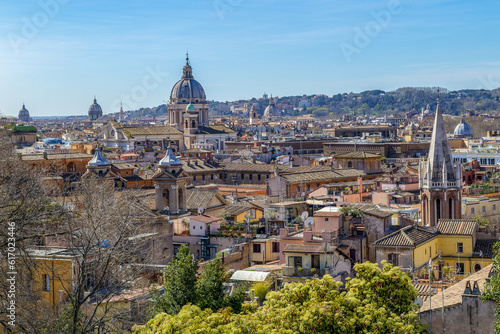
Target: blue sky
<point>57,54</point>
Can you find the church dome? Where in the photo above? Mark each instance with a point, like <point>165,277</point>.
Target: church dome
<point>187,90</point>
<point>24,114</point>
<point>95,110</point>
<point>463,129</point>
<point>190,107</point>
<point>271,110</point>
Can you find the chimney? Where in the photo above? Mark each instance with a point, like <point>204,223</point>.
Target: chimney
<point>283,232</point>
<point>307,236</point>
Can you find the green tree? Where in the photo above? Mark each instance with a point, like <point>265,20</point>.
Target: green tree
<point>376,301</point>
<point>209,287</point>
<point>492,286</point>
<point>179,283</point>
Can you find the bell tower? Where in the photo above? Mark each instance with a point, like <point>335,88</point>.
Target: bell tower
<point>440,183</point>
<point>170,184</point>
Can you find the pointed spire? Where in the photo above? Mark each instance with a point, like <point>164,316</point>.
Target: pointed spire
<point>95,100</point>
<point>440,164</point>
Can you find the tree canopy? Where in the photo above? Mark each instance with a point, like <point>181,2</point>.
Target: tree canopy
<point>376,301</point>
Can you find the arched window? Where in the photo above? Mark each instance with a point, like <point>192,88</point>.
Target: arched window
<point>166,198</point>
<point>187,124</point>
<point>71,167</point>
<point>181,206</point>
<point>193,124</point>
<point>451,208</point>
<point>438,210</point>
<point>477,267</point>
<point>349,164</point>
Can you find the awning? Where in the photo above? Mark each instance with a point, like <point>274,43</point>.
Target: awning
<point>252,276</point>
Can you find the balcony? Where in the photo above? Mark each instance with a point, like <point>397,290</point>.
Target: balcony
<point>289,271</point>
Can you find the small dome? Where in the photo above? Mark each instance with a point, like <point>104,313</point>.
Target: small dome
<point>98,160</point>
<point>95,110</point>
<point>169,159</point>
<point>24,114</point>
<point>463,129</point>
<point>190,107</point>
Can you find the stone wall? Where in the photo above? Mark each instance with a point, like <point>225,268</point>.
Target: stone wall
<point>470,317</point>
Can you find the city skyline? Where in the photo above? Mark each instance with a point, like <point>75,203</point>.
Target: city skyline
<point>59,54</point>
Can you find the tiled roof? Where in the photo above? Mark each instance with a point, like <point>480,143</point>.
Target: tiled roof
<point>215,129</point>
<point>457,226</point>
<point>234,209</point>
<point>357,155</point>
<point>484,248</point>
<point>301,248</point>
<point>409,236</point>
<point>151,130</point>
<point>200,198</point>
<point>370,209</point>
<point>207,219</point>
<point>323,175</point>
<point>198,165</point>
<point>453,295</point>
<point>56,156</point>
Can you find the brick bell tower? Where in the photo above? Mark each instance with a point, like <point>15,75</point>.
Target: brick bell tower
<point>440,182</point>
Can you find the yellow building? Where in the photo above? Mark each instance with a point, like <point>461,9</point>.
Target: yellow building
<point>264,250</point>
<point>238,213</point>
<point>54,274</point>
<point>452,246</point>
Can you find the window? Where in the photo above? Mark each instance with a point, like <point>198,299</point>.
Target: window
<point>471,210</point>
<point>295,261</point>
<point>477,267</point>
<point>483,208</point>
<point>242,176</point>
<point>315,261</point>
<point>194,178</point>
<point>276,247</point>
<point>494,206</point>
<point>258,177</point>
<point>211,176</point>
<point>250,177</point>
<point>393,259</point>
<point>46,283</point>
<point>460,247</point>
<point>256,248</point>
<point>460,268</point>
<point>203,177</point>
<point>326,219</point>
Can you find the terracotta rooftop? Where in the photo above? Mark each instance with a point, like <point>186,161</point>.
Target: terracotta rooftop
<point>357,155</point>
<point>409,236</point>
<point>206,219</point>
<point>457,226</point>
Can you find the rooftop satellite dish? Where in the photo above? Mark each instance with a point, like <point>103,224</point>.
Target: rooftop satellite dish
<point>309,222</point>
<point>200,210</point>
<point>419,302</point>
<point>304,215</point>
